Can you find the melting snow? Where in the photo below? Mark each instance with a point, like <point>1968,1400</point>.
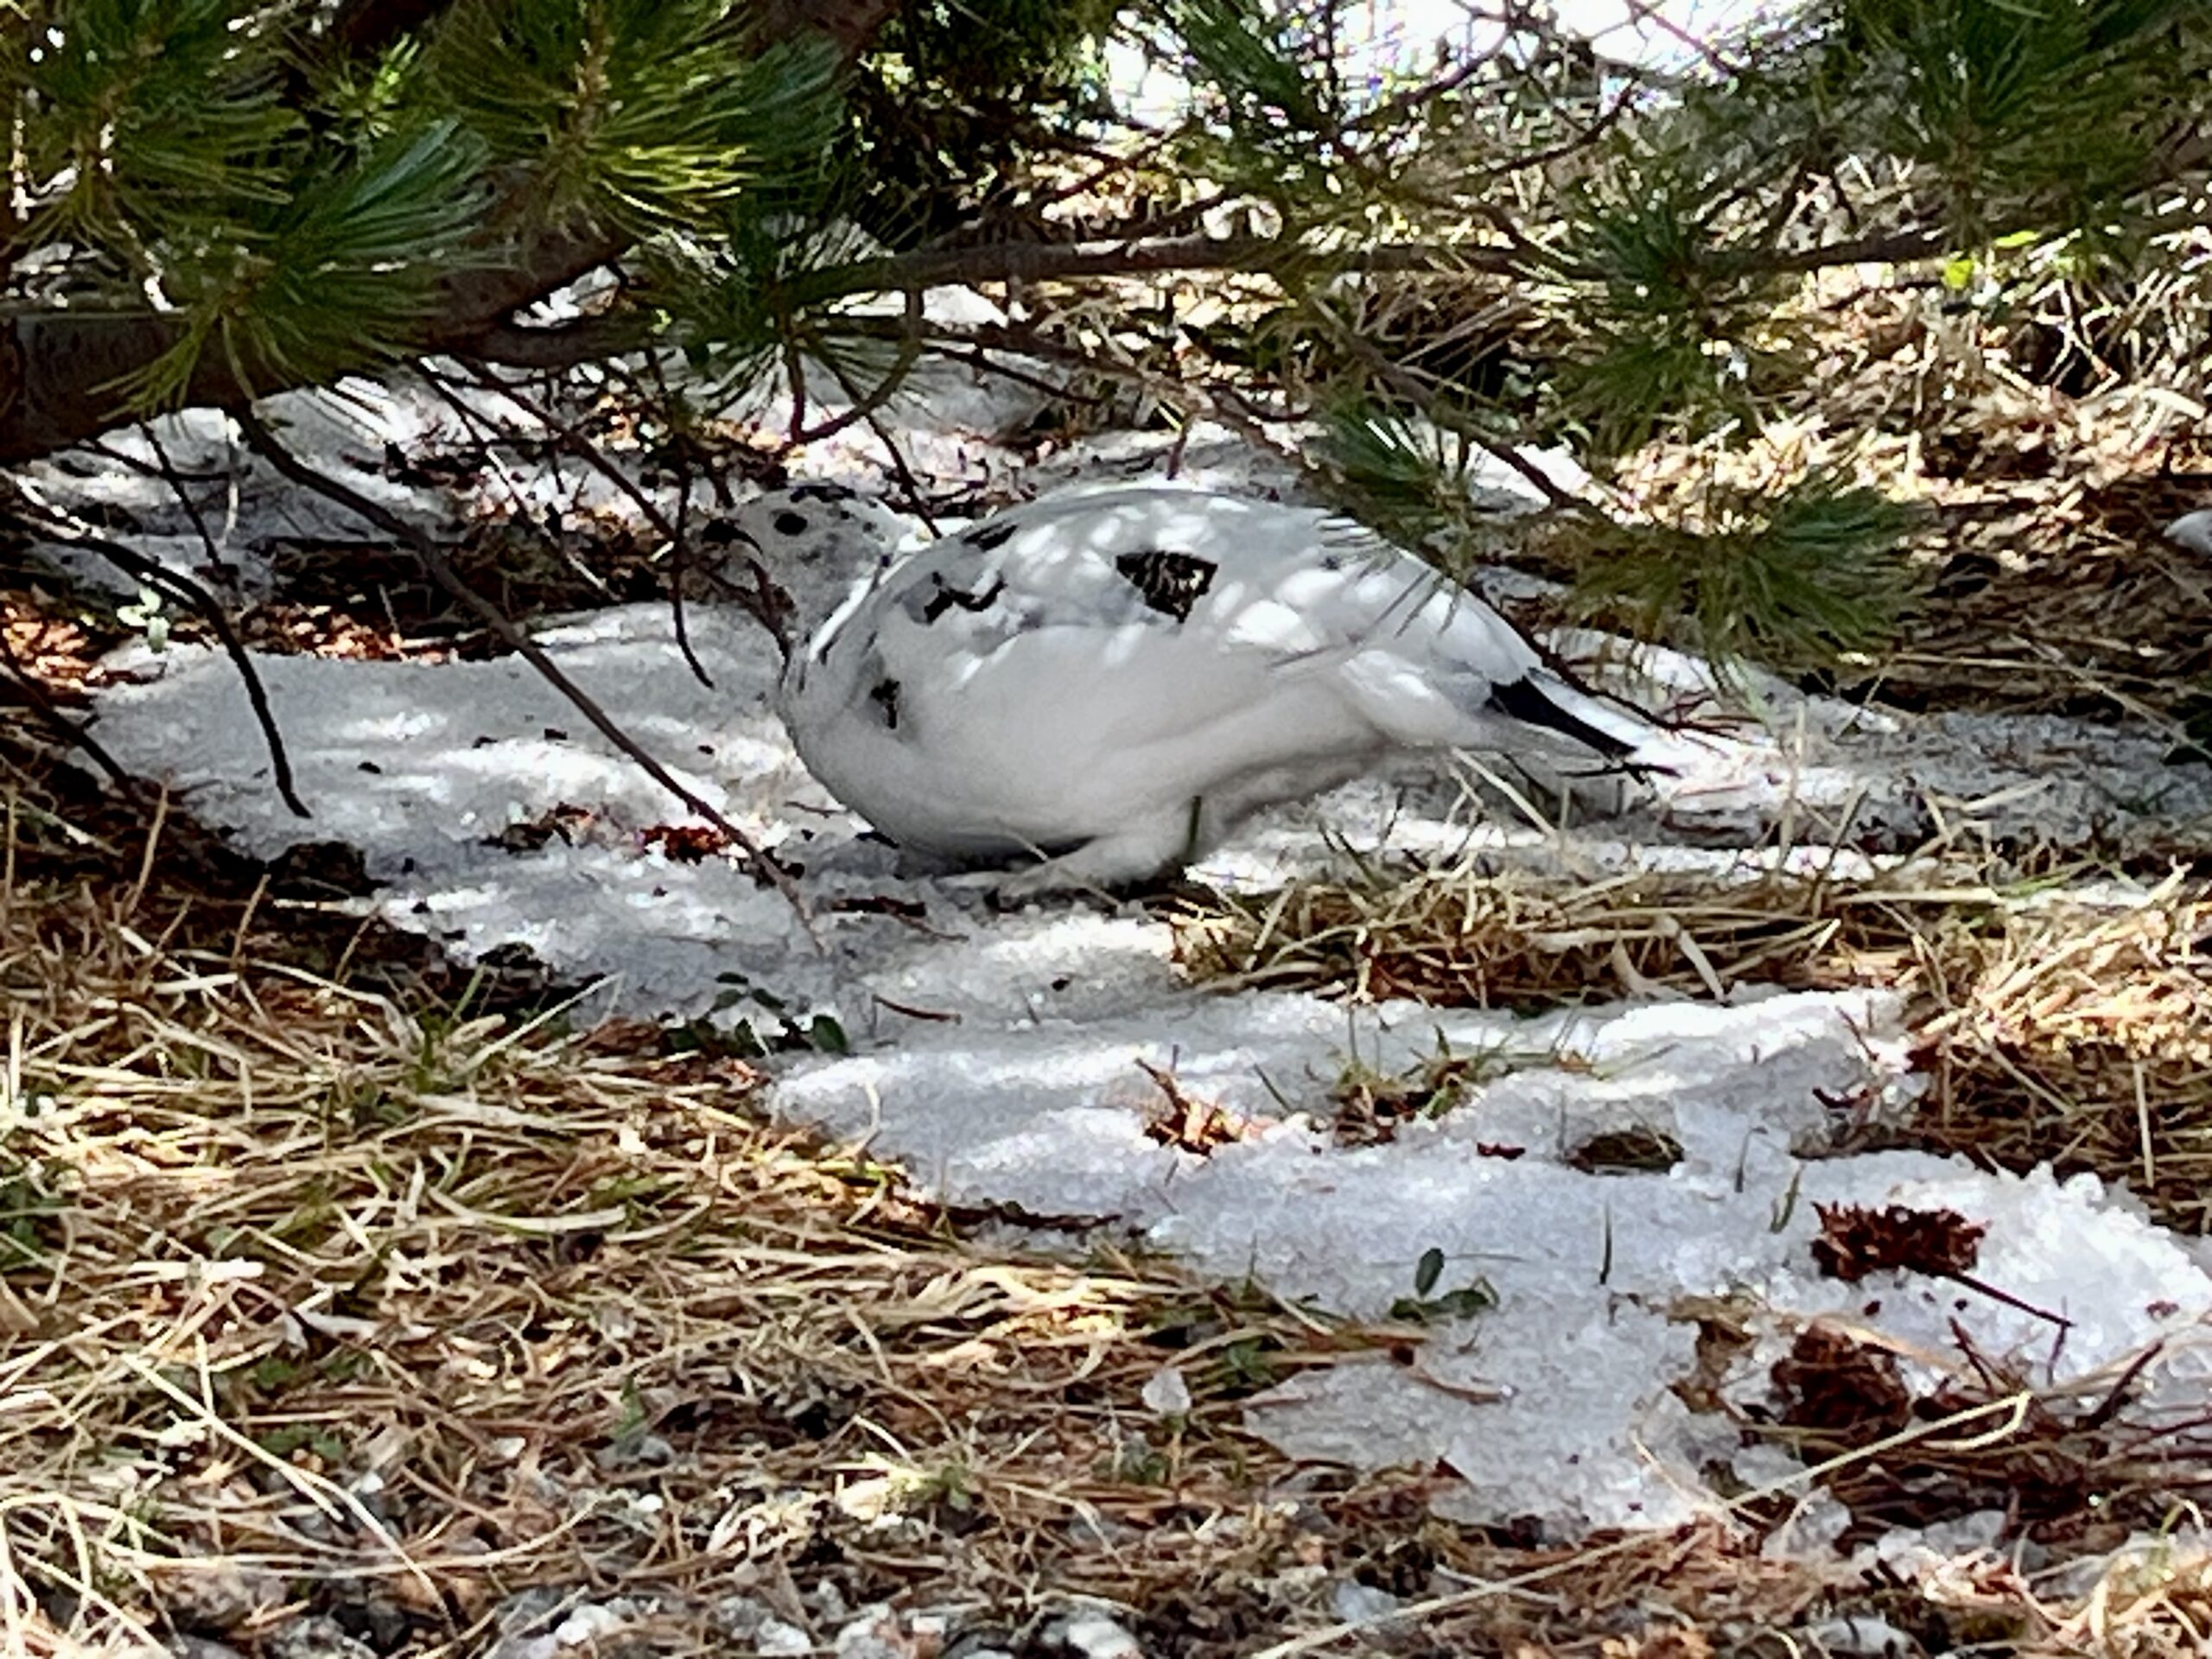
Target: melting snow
<point>997,1056</point>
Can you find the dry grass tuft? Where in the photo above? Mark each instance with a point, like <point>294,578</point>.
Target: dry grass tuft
<point>1457,938</point>
<point>2055,1029</point>
<point>312,1299</point>
<point>2082,1037</point>
<point>2066,1467</point>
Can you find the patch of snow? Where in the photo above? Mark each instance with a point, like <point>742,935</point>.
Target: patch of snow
<point>998,1056</point>
<point>1384,46</point>
<point>1355,1603</point>
<point>243,505</point>
<point>1165,1393</point>
<point>748,1620</point>
<point>1095,1636</point>
<point>941,409</point>
<point>1862,1636</point>
<point>1810,1531</point>
<point>1215,457</point>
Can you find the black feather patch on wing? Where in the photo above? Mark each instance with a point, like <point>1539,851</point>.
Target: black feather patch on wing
<point>988,537</point>
<point>1526,701</point>
<point>946,596</point>
<point>885,696</point>
<point>1171,583</point>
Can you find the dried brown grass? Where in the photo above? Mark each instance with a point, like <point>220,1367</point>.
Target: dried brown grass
<point>319,1298</point>
<point>2053,1029</point>
<point>307,1293</point>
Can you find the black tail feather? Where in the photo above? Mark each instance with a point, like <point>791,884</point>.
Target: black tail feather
<point>1525,700</point>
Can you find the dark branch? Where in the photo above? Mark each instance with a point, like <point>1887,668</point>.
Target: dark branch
<point>174,480</point>
<point>265,443</point>
<point>563,345</point>
<point>156,575</point>
<point>72,735</point>
<point>59,370</point>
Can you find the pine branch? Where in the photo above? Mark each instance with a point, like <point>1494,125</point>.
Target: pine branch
<point>887,386</point>
<point>1424,391</point>
<point>612,332</point>
<point>65,372</point>
<point>562,346</point>
<point>60,371</point>
<point>1050,261</point>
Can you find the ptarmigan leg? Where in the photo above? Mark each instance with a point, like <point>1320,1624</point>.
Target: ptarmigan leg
<point>1133,852</point>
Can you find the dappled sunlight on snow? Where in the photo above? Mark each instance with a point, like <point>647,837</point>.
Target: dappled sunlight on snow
<point>1014,1062</point>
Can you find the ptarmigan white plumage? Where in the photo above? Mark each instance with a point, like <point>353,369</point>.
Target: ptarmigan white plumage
<point>1109,681</point>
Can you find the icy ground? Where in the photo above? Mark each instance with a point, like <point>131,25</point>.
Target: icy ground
<point>998,1057</point>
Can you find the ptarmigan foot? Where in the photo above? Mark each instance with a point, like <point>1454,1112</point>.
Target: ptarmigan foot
<point>1135,852</point>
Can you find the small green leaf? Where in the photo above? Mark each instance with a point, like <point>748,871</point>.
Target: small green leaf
<point>1429,1271</point>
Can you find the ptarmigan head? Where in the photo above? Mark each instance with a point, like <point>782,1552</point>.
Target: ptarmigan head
<point>812,543</point>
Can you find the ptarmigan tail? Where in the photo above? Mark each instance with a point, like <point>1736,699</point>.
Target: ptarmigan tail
<point>1551,703</point>
<point>1513,704</point>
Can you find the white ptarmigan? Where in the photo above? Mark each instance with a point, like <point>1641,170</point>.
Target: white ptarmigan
<point>1109,681</point>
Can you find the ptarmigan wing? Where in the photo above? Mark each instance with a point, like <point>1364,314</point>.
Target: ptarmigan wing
<point>1093,659</point>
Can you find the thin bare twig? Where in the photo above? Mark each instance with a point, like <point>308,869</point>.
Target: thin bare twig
<point>494,437</point>
<point>156,575</point>
<point>671,530</point>
<point>174,480</point>
<point>864,408</point>
<point>265,443</point>
<point>680,445</point>
<point>679,548</point>
<point>1410,381</point>
<point>916,499</point>
<point>36,698</point>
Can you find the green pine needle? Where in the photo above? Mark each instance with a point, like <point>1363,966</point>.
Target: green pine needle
<point>157,113</point>
<point>1797,579</point>
<point>642,114</point>
<point>1245,53</point>
<point>2016,105</point>
<point>342,278</point>
<point>1407,478</point>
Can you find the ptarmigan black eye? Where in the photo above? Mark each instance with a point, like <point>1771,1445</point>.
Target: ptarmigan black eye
<point>885,696</point>
<point>788,523</point>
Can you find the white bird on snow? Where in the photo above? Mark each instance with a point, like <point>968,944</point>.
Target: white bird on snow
<point>1109,681</point>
